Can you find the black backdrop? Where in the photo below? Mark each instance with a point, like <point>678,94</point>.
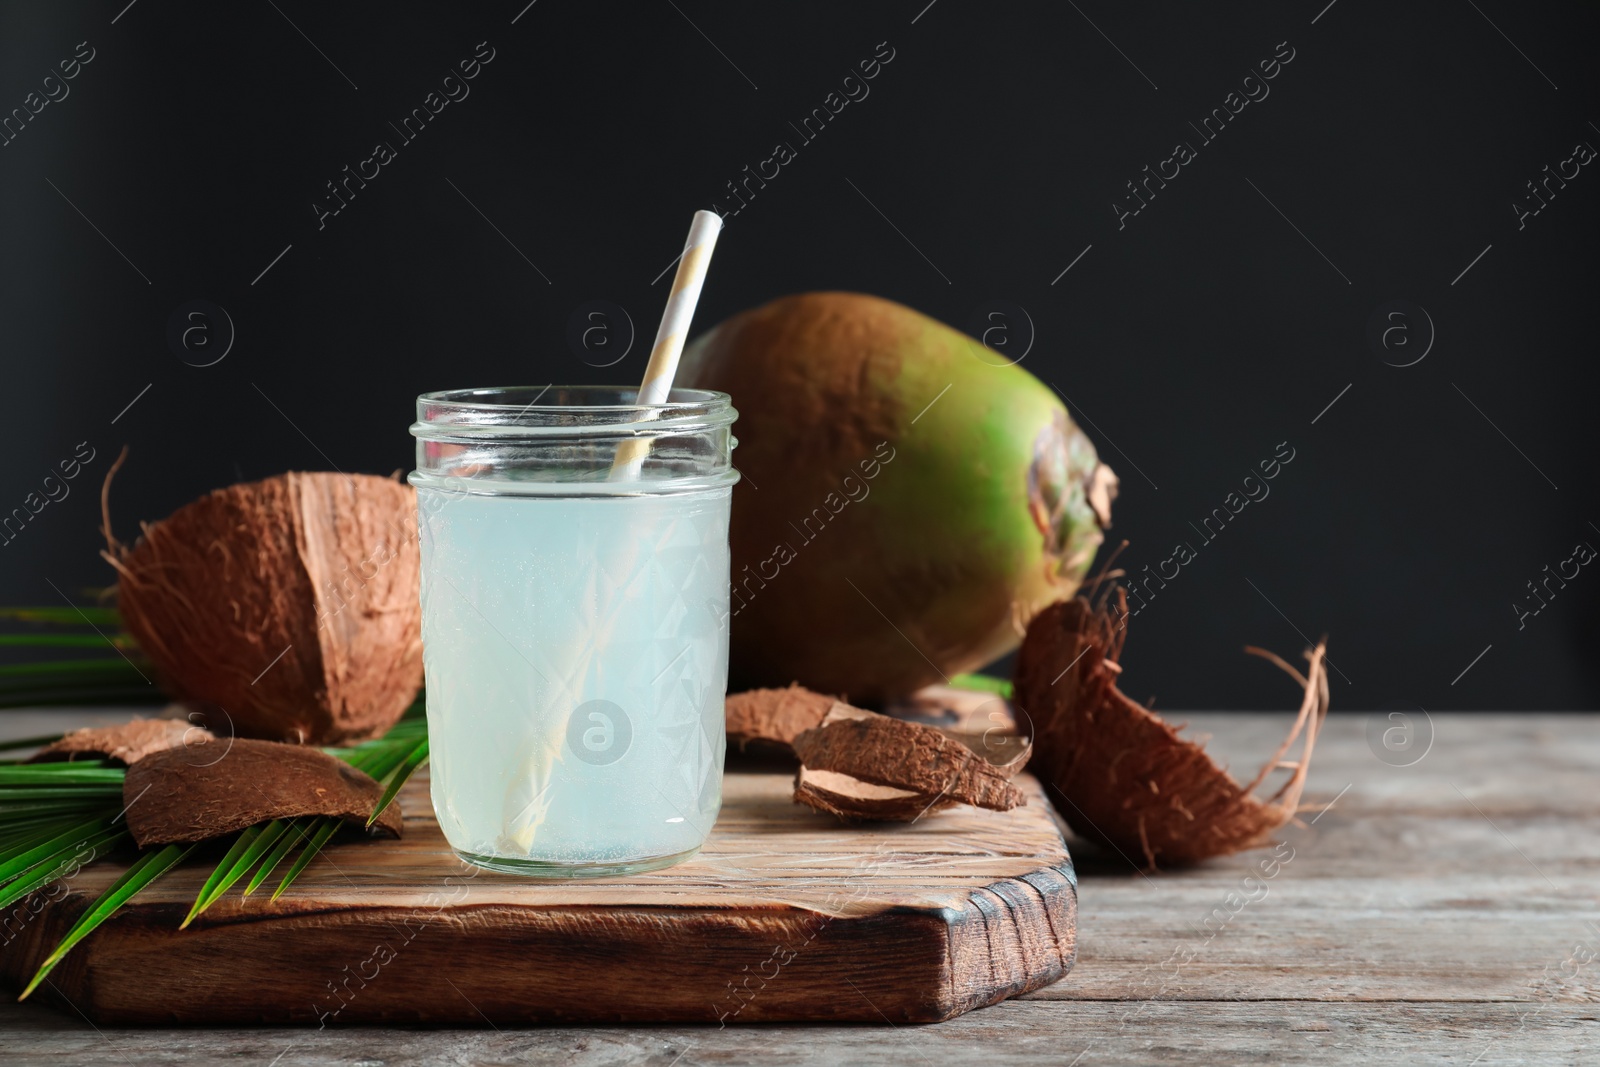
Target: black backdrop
<point>183,161</point>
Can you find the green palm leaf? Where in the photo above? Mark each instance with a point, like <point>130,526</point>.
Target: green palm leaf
<point>327,826</point>
<point>247,850</point>
<point>414,760</point>
<point>18,812</point>
<point>53,696</point>
<point>147,869</point>
<point>55,817</point>
<point>982,683</point>
<point>216,885</point>
<point>61,641</point>
<point>82,668</point>
<point>44,843</point>
<point>64,616</point>
<point>24,832</point>
<point>293,833</point>
<point>106,791</point>
<point>56,866</point>
<point>63,773</point>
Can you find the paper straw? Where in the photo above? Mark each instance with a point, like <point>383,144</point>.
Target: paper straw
<point>671,334</point>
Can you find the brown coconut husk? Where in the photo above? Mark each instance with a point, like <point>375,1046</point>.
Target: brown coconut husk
<point>172,799</point>
<point>1126,777</point>
<point>127,743</point>
<point>983,721</point>
<point>291,603</point>
<point>880,767</point>
<point>772,718</point>
<point>857,801</point>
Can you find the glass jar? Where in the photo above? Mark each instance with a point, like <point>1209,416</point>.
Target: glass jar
<point>574,623</point>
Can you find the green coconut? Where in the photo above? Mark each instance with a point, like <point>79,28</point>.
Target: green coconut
<point>910,499</point>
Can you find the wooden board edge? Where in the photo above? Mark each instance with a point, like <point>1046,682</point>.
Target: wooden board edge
<point>1014,936</point>
<point>902,965</point>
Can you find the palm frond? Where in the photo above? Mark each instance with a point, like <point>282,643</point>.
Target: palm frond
<point>105,680</point>
<point>44,843</point>
<point>982,683</point>
<point>62,641</point>
<point>392,757</point>
<point>65,772</point>
<point>415,759</point>
<point>327,826</point>
<point>247,850</point>
<point>294,833</point>
<point>146,869</point>
<point>17,811</point>
<point>24,833</point>
<point>83,668</point>
<point>60,864</point>
<point>57,817</point>
<point>63,616</point>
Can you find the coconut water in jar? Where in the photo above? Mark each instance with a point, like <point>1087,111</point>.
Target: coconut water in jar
<point>575,626</point>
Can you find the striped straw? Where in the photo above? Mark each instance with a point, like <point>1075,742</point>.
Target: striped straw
<point>671,334</point>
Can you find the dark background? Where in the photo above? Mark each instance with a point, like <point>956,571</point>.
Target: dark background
<point>1213,326</point>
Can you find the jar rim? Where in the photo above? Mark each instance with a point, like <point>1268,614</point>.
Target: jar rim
<point>678,399</point>
<point>566,410</point>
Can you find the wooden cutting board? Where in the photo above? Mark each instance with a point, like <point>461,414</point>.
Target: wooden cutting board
<point>786,914</point>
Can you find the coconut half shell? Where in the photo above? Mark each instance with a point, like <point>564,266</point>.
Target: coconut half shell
<point>171,799</point>
<point>1126,778</point>
<point>291,603</point>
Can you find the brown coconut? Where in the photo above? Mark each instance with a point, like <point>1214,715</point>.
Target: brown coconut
<point>1124,775</point>
<point>290,603</point>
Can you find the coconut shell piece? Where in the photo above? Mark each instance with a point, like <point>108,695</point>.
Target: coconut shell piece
<point>1126,778</point>
<point>851,798</point>
<point>774,717</point>
<point>908,756</point>
<point>172,799</point>
<point>983,721</point>
<point>130,742</point>
<point>291,603</point>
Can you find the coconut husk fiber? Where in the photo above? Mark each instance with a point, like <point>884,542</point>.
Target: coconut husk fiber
<point>127,743</point>
<point>772,718</point>
<point>857,801</point>
<point>170,798</point>
<point>861,765</point>
<point>1124,775</point>
<point>290,603</point>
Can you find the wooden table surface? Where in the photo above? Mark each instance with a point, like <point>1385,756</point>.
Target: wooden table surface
<point>1444,912</point>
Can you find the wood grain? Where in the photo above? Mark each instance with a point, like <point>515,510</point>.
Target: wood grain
<point>1431,916</point>
<point>1018,1032</point>
<point>785,915</point>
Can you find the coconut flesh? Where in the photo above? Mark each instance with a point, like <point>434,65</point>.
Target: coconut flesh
<point>289,606</point>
